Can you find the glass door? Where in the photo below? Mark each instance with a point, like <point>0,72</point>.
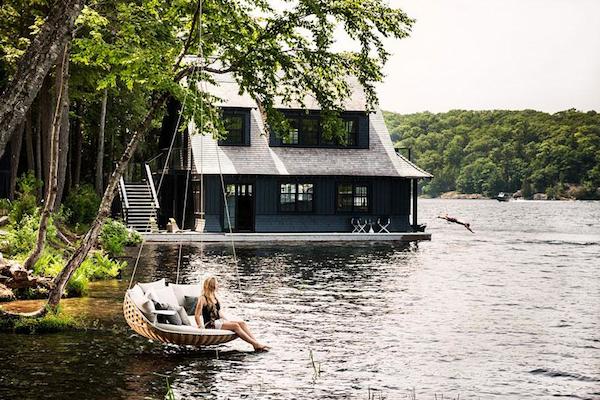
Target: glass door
<point>240,204</point>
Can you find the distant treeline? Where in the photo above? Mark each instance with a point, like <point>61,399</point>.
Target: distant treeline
<point>492,151</point>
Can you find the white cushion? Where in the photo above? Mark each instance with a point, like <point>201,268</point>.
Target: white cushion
<point>185,320</point>
<point>191,329</point>
<point>193,320</point>
<point>164,295</point>
<point>137,290</point>
<point>145,305</point>
<point>186,290</point>
<point>146,287</point>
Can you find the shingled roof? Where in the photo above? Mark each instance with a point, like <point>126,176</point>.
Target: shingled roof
<point>226,89</point>
<point>380,159</point>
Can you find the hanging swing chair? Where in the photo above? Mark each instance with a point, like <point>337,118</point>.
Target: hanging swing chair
<point>138,304</point>
<point>193,336</point>
<point>175,334</point>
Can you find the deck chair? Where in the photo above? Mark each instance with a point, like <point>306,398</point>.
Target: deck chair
<point>383,227</point>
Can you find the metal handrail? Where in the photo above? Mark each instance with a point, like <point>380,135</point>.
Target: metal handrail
<point>124,192</point>
<point>155,157</point>
<point>151,183</point>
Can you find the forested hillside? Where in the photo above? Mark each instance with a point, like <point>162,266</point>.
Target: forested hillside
<point>491,151</point>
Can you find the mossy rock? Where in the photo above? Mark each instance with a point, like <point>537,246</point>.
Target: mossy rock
<point>6,294</point>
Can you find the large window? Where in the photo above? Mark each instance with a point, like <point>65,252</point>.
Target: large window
<point>307,130</point>
<point>352,197</point>
<point>235,127</point>
<point>296,197</point>
<point>304,131</point>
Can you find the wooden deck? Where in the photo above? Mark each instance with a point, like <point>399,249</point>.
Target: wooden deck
<point>286,237</point>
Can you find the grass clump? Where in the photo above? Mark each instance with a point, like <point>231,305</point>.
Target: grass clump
<point>52,322</point>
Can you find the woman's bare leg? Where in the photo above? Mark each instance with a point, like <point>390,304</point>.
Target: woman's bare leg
<point>234,326</point>
<point>246,328</point>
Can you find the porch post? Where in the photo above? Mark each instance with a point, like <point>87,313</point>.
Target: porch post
<point>415,195</point>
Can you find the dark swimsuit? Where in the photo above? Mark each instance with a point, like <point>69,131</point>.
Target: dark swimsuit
<point>210,314</point>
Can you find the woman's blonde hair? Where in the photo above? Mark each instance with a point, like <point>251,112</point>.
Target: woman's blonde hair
<point>209,288</point>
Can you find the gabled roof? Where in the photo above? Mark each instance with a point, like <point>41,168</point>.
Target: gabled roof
<point>380,159</point>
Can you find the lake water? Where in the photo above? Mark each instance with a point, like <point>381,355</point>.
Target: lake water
<point>510,312</point>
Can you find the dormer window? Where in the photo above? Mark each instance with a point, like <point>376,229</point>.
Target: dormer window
<point>304,132</point>
<point>236,127</point>
<point>307,131</point>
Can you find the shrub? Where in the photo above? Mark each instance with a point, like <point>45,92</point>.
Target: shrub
<point>81,205</point>
<point>115,236</point>
<point>21,237</point>
<point>5,206</point>
<point>26,203</point>
<point>78,285</point>
<point>99,266</point>
<point>49,264</point>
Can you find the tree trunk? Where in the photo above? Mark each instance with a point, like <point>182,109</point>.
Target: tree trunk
<point>90,238</point>
<point>78,144</point>
<point>48,109</point>
<point>29,141</point>
<point>100,156</point>
<point>34,65</point>
<point>38,146</point>
<point>63,142</point>
<point>15,149</point>
<point>62,72</point>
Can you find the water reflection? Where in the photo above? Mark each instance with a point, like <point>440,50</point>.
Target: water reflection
<point>511,312</point>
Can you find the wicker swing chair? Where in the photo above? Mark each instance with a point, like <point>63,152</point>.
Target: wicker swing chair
<point>195,337</point>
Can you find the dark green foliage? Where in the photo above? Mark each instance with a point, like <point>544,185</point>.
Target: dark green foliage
<point>26,203</point>
<point>21,237</point>
<point>115,236</point>
<point>491,151</point>
<point>81,205</point>
<point>5,207</point>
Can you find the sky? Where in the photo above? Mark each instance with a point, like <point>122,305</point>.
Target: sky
<point>495,54</point>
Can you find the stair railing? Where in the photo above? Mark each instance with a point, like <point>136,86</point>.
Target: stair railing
<point>125,205</point>
<point>151,184</point>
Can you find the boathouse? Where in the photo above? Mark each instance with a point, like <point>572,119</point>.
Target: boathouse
<point>299,183</point>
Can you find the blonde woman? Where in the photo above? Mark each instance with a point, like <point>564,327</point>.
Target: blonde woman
<point>209,309</point>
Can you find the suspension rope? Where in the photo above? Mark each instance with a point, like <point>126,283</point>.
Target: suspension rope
<point>235,259</point>
<point>187,182</point>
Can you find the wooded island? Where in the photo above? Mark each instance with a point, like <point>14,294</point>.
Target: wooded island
<point>488,152</point>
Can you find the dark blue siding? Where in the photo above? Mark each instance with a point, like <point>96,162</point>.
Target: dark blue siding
<point>389,197</point>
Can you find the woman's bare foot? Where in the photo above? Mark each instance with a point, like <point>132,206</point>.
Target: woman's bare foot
<point>262,348</point>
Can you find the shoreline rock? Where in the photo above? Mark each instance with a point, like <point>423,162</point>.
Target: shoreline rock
<point>17,283</point>
<point>462,196</point>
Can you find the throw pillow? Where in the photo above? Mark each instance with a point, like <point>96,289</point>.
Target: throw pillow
<point>174,319</point>
<point>190,305</point>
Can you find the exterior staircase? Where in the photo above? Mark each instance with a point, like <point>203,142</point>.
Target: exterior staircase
<point>139,204</point>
